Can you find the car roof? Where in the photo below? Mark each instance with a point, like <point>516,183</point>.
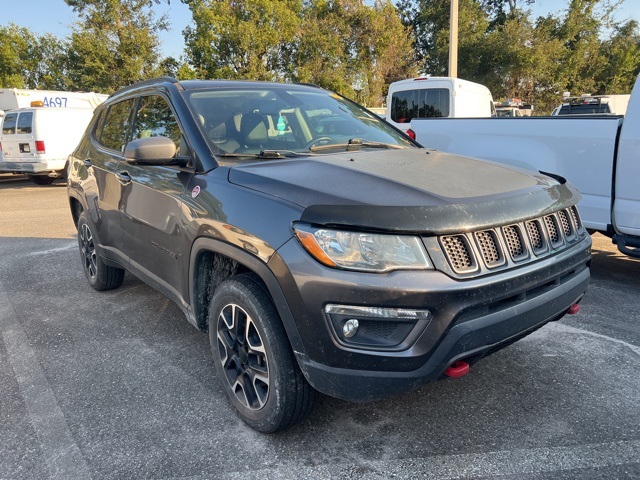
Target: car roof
<point>205,84</point>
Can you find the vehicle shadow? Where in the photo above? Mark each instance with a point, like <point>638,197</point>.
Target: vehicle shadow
<point>611,265</point>
<point>17,182</point>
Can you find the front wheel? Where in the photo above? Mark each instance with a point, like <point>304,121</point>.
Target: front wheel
<point>253,359</point>
<point>99,275</point>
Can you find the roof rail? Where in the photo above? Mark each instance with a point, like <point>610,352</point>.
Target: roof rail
<point>142,83</point>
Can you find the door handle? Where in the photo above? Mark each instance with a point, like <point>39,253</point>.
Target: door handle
<point>123,177</point>
<point>87,162</point>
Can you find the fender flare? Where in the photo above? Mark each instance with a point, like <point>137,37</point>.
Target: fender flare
<point>257,266</point>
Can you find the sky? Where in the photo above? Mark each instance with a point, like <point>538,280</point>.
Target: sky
<point>55,17</point>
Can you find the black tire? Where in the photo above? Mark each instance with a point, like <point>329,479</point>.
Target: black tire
<point>41,179</point>
<point>253,359</point>
<point>99,275</point>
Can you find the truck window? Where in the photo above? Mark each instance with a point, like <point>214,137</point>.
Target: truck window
<point>9,124</point>
<point>419,103</point>
<point>116,126</point>
<point>25,121</point>
<point>584,108</point>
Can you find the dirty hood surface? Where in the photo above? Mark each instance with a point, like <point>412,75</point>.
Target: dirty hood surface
<point>413,190</point>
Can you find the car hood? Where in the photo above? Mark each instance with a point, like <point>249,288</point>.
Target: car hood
<point>412,190</point>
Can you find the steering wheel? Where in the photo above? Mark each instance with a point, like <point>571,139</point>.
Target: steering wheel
<point>315,141</point>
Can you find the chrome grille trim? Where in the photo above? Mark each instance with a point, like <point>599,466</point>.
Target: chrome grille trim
<point>509,244</point>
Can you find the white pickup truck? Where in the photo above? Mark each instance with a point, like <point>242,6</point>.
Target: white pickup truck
<point>599,155</point>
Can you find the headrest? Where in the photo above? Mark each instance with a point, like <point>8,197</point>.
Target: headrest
<point>253,129</point>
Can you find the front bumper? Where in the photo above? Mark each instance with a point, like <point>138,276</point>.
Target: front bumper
<point>470,318</point>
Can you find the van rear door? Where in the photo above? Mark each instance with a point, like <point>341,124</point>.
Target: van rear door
<point>18,142</point>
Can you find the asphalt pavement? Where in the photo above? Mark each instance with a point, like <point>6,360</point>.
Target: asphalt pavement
<point>118,385</point>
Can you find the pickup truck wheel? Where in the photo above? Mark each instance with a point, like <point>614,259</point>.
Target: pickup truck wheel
<point>41,179</point>
<point>100,276</point>
<point>253,358</point>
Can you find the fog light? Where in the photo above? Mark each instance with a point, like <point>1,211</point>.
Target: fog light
<point>350,327</point>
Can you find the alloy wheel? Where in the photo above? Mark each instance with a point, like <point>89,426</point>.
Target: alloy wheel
<point>243,356</point>
<point>88,251</point>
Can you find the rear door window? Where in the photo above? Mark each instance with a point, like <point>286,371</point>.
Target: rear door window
<point>419,103</point>
<point>25,122</point>
<point>115,129</point>
<point>404,106</point>
<point>9,124</point>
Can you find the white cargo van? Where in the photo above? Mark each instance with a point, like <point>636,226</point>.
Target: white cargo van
<point>12,98</point>
<point>432,97</point>
<point>38,140</point>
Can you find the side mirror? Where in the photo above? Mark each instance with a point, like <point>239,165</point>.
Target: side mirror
<point>150,151</point>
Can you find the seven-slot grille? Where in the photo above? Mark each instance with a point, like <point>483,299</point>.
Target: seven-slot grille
<point>518,242</point>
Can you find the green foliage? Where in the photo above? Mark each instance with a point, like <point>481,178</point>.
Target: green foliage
<point>114,43</point>
<point>621,59</point>
<point>501,46</point>
<point>345,45</point>
<point>30,61</point>
<point>354,47</point>
<point>238,39</point>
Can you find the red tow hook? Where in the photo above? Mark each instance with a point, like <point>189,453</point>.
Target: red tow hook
<point>573,309</point>
<point>457,369</point>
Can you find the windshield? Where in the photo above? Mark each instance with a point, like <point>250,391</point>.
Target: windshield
<point>275,122</point>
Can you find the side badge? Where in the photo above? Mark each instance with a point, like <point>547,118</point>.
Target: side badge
<point>195,192</point>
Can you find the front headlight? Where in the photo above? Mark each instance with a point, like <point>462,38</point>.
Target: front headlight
<point>370,252</point>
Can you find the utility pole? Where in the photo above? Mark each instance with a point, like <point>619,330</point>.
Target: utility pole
<point>453,39</point>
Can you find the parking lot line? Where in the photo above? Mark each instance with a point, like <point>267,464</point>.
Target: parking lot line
<point>60,452</point>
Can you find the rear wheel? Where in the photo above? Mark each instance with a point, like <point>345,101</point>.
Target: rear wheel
<point>99,275</point>
<point>41,179</point>
<point>253,358</point>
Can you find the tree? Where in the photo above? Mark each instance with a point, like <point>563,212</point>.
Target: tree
<point>114,43</point>
<point>502,10</point>
<point>322,54</point>
<point>352,48</point>
<point>429,20</point>
<point>383,51</point>
<point>241,39</point>
<point>621,57</point>
<point>30,61</point>
<point>521,60</point>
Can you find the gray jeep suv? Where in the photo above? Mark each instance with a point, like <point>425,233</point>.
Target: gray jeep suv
<point>320,248</point>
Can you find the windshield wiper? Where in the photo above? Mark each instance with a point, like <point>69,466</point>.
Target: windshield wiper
<point>354,144</point>
<point>265,154</point>
<point>278,154</point>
